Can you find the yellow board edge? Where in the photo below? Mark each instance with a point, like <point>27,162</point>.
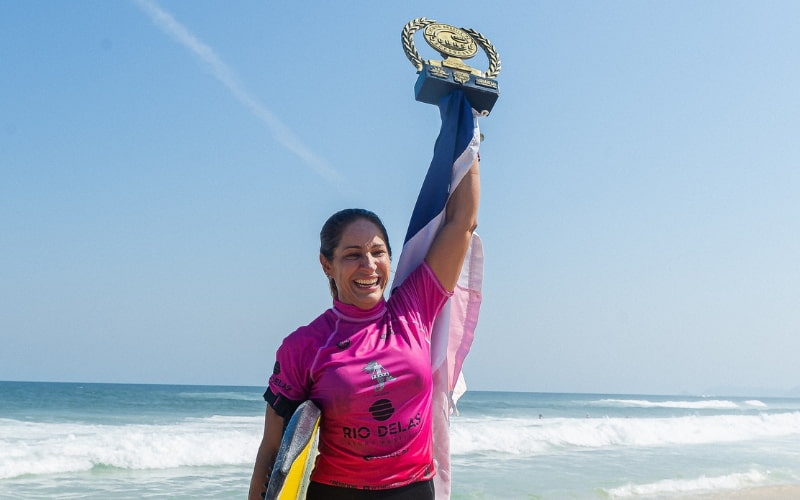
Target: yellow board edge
<point>296,483</point>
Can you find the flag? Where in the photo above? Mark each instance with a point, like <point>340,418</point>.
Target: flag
<point>455,150</point>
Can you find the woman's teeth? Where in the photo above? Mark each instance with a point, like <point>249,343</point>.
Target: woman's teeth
<point>367,283</point>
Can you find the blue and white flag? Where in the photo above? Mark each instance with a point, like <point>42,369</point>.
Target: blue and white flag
<point>455,150</point>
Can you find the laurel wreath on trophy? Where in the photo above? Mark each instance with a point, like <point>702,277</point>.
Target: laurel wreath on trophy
<point>410,49</point>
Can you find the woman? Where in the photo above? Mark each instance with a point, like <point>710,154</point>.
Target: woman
<point>366,361</point>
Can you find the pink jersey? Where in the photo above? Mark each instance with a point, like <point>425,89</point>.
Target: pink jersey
<point>370,373</point>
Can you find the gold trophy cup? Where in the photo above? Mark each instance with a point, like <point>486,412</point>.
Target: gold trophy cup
<point>438,78</point>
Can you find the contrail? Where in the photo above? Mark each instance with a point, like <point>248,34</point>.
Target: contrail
<point>227,77</point>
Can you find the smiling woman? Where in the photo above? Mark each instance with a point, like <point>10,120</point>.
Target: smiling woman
<point>366,362</point>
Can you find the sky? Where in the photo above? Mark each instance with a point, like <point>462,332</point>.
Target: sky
<point>165,168</point>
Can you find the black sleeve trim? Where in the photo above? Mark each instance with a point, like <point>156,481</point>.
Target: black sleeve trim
<point>282,406</point>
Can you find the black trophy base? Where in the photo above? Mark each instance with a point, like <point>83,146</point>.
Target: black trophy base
<point>435,82</point>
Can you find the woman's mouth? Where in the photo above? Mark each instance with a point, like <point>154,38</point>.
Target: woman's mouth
<point>370,283</point>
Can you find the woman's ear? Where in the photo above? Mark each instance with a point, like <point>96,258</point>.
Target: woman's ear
<point>326,265</point>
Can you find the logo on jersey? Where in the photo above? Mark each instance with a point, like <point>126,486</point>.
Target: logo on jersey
<point>381,410</point>
<point>378,374</point>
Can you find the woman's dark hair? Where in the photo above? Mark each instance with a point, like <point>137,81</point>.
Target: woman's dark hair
<point>331,234</point>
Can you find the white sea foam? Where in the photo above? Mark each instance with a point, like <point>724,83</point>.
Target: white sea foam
<point>529,437</point>
<point>705,404</point>
<point>700,484</point>
<point>231,395</point>
<point>50,448</point>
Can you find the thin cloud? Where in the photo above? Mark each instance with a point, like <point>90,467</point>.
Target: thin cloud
<point>227,77</point>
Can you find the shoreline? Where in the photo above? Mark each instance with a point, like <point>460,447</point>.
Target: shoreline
<point>776,492</point>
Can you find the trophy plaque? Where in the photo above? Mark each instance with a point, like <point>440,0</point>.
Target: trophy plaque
<point>438,78</point>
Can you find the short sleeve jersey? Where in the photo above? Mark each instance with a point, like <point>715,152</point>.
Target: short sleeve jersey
<point>369,371</point>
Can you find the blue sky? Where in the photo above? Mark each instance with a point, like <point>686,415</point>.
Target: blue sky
<point>165,168</point>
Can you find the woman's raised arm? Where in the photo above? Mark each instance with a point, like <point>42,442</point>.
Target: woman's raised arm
<point>449,247</point>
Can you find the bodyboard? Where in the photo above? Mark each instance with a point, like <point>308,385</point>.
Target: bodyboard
<point>296,455</point>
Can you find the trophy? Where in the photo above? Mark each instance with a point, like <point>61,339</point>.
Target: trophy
<point>438,78</point>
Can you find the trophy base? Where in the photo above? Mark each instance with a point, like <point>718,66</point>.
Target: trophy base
<point>435,82</point>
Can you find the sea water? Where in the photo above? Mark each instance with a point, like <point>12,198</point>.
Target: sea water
<point>93,441</point>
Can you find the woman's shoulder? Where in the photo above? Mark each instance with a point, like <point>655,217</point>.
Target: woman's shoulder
<point>421,279</point>
<point>420,295</point>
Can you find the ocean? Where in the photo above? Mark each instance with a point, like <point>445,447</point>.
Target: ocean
<point>118,441</point>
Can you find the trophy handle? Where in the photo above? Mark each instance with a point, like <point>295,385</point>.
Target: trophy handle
<point>407,37</point>
<point>489,50</point>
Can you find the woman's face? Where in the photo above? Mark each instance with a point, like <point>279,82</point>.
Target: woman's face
<point>361,266</point>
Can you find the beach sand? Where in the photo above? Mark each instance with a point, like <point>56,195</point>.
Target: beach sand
<point>786,492</point>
